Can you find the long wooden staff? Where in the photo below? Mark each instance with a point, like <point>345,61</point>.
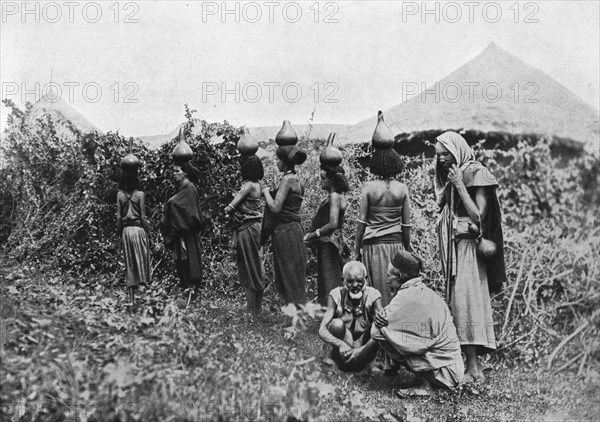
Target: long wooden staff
<point>450,246</point>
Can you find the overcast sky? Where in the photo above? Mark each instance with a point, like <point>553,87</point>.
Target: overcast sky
<point>141,61</point>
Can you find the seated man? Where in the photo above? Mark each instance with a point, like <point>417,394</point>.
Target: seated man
<point>416,329</point>
<point>347,322</point>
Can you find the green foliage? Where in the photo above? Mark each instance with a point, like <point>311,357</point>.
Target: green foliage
<point>87,358</point>
<point>549,222</point>
<point>71,351</point>
<point>59,194</point>
<point>534,186</point>
<point>57,207</point>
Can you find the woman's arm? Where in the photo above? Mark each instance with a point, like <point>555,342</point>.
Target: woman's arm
<point>275,205</point>
<point>144,221</point>
<point>406,222</point>
<point>119,217</point>
<point>475,209</point>
<point>335,204</point>
<point>481,199</point>
<point>239,198</point>
<point>361,223</point>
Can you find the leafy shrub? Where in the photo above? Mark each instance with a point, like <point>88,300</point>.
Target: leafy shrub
<point>549,228</point>
<point>59,193</point>
<point>57,207</point>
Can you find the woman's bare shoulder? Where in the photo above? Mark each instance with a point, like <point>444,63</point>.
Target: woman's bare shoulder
<point>402,187</point>
<point>371,185</point>
<point>336,197</point>
<point>253,189</point>
<point>292,181</point>
<point>122,195</point>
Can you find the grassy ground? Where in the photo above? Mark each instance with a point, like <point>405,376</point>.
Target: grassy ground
<point>71,350</point>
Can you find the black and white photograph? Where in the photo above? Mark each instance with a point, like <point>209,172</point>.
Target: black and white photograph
<point>299,211</point>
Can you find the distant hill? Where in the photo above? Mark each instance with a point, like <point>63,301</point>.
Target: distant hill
<point>263,133</point>
<point>155,141</point>
<point>61,113</point>
<point>528,102</point>
<point>543,106</point>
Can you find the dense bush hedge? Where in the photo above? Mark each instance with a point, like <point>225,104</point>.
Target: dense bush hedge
<point>58,195</point>
<point>57,208</point>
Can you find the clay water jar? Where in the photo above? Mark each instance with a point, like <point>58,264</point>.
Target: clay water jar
<point>383,136</point>
<point>247,144</point>
<point>331,156</point>
<point>182,151</point>
<point>286,135</point>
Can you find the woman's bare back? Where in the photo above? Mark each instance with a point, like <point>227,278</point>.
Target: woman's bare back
<point>386,194</point>
<point>293,182</point>
<point>254,189</point>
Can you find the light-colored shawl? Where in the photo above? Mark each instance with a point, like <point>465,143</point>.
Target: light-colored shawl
<point>474,174</point>
<point>463,154</point>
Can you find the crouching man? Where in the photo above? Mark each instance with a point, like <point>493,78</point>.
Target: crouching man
<point>416,329</point>
<point>347,322</point>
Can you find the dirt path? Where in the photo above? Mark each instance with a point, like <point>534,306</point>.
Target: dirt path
<point>72,351</point>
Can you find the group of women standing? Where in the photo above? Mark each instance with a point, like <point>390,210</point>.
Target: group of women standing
<point>383,227</point>
<point>181,225</point>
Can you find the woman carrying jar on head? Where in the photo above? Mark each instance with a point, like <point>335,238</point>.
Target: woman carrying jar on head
<point>282,220</point>
<point>326,236</point>
<point>383,226</point>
